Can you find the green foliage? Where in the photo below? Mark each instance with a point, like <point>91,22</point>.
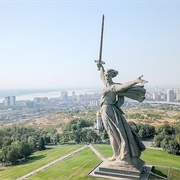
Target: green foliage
<point>154,115</point>
<point>168,138</point>
<point>177,138</point>
<point>76,131</point>
<point>12,155</point>
<point>17,142</point>
<point>41,144</point>
<point>77,124</point>
<point>143,130</point>
<point>177,117</point>
<point>157,140</point>
<point>90,136</point>
<point>166,129</point>
<point>135,116</point>
<point>35,161</point>
<point>65,137</point>
<point>174,147</point>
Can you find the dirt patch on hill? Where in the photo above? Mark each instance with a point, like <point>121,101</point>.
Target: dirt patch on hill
<point>152,117</point>
<point>54,120</point>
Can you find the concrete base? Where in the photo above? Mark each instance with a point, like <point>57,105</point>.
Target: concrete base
<point>120,172</point>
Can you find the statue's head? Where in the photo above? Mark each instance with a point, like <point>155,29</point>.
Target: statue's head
<point>111,72</point>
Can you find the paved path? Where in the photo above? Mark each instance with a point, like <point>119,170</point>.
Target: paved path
<point>51,163</point>
<point>148,145</point>
<point>97,153</point>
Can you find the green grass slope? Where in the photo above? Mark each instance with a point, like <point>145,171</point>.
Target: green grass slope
<point>78,165</point>
<point>37,160</point>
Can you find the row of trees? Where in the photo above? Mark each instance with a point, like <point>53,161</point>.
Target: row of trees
<point>168,138</point>
<point>143,130</point>
<point>79,131</point>
<point>17,143</point>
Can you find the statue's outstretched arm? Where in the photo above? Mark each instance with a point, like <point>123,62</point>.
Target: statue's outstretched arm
<point>125,86</point>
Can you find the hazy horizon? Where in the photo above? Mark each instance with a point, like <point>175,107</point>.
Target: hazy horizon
<point>53,44</point>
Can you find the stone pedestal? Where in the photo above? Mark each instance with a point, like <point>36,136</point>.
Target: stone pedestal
<point>123,172</point>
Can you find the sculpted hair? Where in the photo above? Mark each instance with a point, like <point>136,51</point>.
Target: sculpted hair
<point>113,72</point>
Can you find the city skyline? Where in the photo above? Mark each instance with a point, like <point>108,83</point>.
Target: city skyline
<point>53,44</point>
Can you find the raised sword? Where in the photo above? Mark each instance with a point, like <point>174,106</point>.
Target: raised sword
<point>99,62</point>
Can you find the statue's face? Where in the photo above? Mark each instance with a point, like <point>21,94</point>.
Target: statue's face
<point>108,78</point>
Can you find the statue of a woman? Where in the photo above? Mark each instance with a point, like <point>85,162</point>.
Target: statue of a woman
<point>126,144</point>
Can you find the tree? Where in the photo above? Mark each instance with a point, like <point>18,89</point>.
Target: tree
<point>32,142</point>
<point>92,136</point>
<point>142,133</point>
<point>65,137</point>
<point>165,143</point>
<point>174,147</point>
<point>41,144</point>
<point>12,155</point>
<point>54,138</point>
<point>26,150</point>
<point>157,140</point>
<point>166,130</point>
<point>89,136</point>
<point>47,138</point>
<point>4,153</point>
<point>177,138</point>
<point>17,145</point>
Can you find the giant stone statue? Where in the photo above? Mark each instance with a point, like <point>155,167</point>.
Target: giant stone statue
<point>125,143</point>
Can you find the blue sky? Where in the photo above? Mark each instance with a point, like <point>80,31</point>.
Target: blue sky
<point>53,44</point>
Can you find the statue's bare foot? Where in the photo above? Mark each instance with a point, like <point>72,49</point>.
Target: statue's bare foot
<point>113,158</point>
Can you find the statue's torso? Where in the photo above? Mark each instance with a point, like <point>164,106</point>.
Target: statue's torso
<point>108,96</point>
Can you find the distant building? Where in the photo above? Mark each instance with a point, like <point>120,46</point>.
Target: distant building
<point>40,100</point>
<point>30,104</point>
<point>10,101</point>
<point>37,100</point>
<point>155,95</point>
<point>170,95</point>
<point>73,94</point>
<point>177,94</point>
<point>94,103</point>
<point>7,101</point>
<point>64,95</point>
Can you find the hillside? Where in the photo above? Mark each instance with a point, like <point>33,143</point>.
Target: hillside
<point>153,117</point>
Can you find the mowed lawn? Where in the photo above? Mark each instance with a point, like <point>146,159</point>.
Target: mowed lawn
<point>39,159</point>
<point>76,167</point>
<point>158,157</point>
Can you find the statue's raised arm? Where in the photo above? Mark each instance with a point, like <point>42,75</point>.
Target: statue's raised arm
<point>100,62</point>
<point>102,74</point>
